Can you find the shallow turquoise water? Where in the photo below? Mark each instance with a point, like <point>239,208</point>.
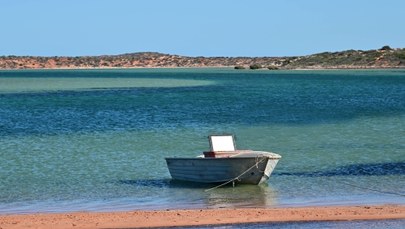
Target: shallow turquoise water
<point>96,139</point>
<point>388,224</point>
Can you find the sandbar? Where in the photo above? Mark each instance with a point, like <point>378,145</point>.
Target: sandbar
<point>199,217</point>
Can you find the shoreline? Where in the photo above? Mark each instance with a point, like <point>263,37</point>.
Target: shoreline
<point>205,67</point>
<point>200,217</point>
<point>385,57</point>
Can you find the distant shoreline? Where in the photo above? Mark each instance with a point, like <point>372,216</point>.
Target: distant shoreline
<point>384,58</point>
<point>205,67</point>
<point>123,68</point>
<point>200,217</point>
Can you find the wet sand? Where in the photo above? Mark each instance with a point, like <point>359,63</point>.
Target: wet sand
<point>194,217</point>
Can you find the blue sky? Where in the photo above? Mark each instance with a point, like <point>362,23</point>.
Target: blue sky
<point>198,27</point>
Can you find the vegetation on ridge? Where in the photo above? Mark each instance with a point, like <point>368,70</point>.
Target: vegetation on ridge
<point>386,57</point>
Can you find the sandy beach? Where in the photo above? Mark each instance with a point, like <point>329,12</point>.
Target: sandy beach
<point>194,217</point>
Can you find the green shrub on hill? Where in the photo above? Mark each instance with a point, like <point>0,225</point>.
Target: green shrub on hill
<point>255,66</point>
<point>272,68</point>
<point>386,47</point>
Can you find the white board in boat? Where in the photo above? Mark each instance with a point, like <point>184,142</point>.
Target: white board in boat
<point>222,143</point>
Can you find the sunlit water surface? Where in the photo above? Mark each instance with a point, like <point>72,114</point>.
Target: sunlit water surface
<point>96,139</point>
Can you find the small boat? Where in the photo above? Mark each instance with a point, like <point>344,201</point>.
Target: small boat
<point>223,163</point>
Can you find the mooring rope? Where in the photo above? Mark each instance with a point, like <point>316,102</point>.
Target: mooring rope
<point>237,178</point>
<point>372,189</point>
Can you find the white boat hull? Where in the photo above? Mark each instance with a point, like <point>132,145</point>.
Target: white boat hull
<point>250,168</point>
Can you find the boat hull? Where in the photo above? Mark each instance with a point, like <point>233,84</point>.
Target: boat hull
<point>244,170</point>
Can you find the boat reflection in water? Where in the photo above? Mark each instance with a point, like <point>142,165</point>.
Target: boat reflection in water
<point>175,194</point>
<point>241,196</point>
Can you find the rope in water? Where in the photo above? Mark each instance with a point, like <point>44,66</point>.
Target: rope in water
<point>346,183</point>
<point>372,189</point>
<point>237,178</point>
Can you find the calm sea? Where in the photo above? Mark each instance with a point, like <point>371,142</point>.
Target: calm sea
<point>95,140</point>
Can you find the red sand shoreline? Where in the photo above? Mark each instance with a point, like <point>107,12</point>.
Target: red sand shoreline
<point>199,217</point>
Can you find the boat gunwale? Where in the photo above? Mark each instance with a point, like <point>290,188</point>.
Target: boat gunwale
<point>220,158</point>
<point>246,154</point>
